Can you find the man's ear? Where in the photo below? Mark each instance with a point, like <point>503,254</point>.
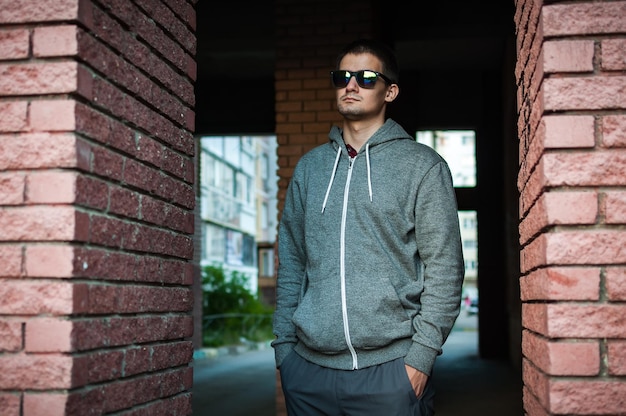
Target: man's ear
<point>392,92</point>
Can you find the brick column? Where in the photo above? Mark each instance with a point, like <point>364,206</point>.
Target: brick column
<point>571,77</point>
<point>96,207</point>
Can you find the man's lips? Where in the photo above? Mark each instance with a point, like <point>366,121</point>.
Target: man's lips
<point>350,98</point>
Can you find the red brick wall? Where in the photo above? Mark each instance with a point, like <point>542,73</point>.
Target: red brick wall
<point>96,206</point>
<point>571,77</point>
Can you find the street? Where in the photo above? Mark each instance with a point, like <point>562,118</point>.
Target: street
<point>244,383</point>
<point>233,385</point>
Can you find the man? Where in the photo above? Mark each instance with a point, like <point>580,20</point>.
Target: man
<point>370,262</point>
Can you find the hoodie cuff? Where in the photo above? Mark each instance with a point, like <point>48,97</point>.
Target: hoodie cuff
<point>281,351</point>
<point>421,358</point>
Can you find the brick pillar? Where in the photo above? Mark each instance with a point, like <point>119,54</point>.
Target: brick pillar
<point>571,76</point>
<point>305,100</point>
<point>96,207</point>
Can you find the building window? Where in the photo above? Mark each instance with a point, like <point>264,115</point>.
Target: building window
<point>458,148</point>
<point>215,243</point>
<point>237,198</point>
<point>266,262</point>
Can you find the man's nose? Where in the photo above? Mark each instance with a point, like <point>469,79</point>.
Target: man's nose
<point>352,84</point>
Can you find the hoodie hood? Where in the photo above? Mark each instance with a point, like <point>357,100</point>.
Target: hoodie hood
<point>388,132</point>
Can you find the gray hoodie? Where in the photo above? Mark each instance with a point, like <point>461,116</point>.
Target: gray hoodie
<point>370,260</point>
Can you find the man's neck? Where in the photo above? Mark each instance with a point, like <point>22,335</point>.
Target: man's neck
<point>357,133</point>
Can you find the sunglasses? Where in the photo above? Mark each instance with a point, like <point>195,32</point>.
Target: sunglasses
<point>365,78</point>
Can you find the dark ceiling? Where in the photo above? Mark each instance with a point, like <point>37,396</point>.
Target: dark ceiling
<point>236,52</point>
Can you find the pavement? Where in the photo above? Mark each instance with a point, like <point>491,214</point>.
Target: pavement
<point>465,384</point>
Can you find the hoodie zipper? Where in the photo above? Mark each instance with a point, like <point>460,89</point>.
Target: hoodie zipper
<point>342,260</point>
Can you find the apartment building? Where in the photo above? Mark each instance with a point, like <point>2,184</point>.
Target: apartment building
<point>238,206</point>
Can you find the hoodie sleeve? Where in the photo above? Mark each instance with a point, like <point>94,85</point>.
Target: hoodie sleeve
<point>291,269</point>
<point>439,245</point>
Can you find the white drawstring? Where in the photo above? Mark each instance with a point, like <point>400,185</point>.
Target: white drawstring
<point>332,178</point>
<point>369,178</point>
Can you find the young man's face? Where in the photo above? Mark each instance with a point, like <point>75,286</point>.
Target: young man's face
<point>355,102</point>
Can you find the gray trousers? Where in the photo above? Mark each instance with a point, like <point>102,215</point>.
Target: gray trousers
<point>381,390</point>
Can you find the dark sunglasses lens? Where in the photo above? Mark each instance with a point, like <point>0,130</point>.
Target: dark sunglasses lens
<point>340,78</point>
<point>366,79</point>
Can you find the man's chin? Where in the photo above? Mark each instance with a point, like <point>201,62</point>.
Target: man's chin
<point>350,114</point>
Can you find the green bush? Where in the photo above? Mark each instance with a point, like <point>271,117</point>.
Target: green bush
<point>231,313</point>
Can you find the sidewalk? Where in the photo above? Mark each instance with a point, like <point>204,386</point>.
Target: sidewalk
<point>209,353</point>
<point>471,386</point>
<point>465,384</point>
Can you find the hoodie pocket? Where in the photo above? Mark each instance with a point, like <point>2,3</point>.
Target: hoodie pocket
<point>318,317</point>
<point>376,315</point>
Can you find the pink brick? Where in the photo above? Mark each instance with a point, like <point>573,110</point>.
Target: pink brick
<point>38,223</point>
<point>12,185</point>
<point>571,207</point>
<point>531,404</point>
<point>613,52</point>
<point>588,93</point>
<point>14,44</point>
<point>568,131</point>
<point>39,150</point>
<point>584,18</point>
<point>52,115</point>
<point>24,297</point>
<point>552,208</point>
<point>598,168</point>
<point>38,78</point>
<point>616,283</point>
<point>562,358</point>
<point>10,403</point>
<point>568,56</point>
<point>617,358</point>
<point>11,260</point>
<point>47,260</point>
<point>10,336</point>
<point>51,187</point>
<point>584,397</point>
<point>37,11</point>
<point>48,335</point>
<point>53,372</point>
<point>531,187</point>
<point>55,41</point>
<point>561,283</point>
<point>615,207</point>
<point>586,247</point>
<point>45,404</point>
<point>575,358</point>
<point>535,382</point>
<point>564,320</point>
<point>614,131</point>
<point>13,116</point>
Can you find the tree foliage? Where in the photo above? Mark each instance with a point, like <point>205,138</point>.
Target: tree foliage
<point>232,313</point>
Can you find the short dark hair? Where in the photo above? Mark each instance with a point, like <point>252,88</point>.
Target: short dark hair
<point>377,48</point>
